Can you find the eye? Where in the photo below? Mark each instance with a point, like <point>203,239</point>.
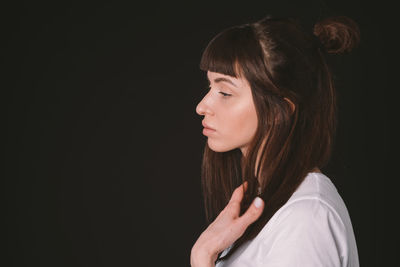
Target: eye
<point>225,94</point>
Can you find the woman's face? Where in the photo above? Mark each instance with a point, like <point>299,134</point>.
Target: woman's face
<point>228,109</point>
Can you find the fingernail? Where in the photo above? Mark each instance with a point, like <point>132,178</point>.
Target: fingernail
<point>258,202</point>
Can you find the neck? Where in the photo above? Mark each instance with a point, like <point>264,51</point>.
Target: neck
<point>244,154</point>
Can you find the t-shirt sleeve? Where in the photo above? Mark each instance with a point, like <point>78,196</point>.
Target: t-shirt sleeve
<point>308,233</point>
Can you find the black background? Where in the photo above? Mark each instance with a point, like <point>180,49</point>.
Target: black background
<point>103,146</point>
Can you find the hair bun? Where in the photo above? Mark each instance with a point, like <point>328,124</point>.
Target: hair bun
<point>337,34</point>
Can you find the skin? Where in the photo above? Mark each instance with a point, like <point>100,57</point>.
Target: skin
<point>225,229</point>
<point>228,108</point>
<point>233,116</point>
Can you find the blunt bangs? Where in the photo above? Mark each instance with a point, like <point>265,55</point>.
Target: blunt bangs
<point>227,53</point>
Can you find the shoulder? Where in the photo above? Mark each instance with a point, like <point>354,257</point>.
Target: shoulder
<point>317,185</point>
<point>316,194</point>
<point>309,232</point>
<point>309,213</point>
<point>315,211</point>
<point>311,227</point>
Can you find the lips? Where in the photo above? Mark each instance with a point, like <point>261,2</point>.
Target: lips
<point>207,126</point>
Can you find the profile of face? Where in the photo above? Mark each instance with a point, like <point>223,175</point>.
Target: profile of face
<point>230,117</point>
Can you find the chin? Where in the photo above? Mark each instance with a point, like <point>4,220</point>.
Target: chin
<point>219,147</point>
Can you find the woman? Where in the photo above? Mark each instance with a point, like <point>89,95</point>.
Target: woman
<point>270,119</point>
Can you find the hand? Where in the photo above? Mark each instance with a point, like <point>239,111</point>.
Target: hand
<point>225,229</point>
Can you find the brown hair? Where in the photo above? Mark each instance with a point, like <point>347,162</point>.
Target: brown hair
<point>279,60</point>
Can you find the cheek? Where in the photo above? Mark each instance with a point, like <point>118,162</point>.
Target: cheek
<point>241,121</point>
<point>236,130</point>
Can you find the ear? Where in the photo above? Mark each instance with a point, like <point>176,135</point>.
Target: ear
<point>292,105</point>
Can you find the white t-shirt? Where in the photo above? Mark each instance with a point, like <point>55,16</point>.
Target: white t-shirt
<point>313,228</point>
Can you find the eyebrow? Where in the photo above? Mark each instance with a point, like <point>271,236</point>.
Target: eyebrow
<point>221,79</point>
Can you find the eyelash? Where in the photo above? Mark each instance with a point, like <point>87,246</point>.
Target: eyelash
<point>222,93</point>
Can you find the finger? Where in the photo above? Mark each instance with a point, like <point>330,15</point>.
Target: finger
<point>238,193</point>
<point>252,213</point>
<point>245,184</point>
<point>233,206</point>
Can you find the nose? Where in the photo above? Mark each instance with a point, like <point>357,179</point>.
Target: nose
<point>203,108</point>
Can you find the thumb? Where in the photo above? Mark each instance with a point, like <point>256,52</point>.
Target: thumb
<point>253,212</point>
